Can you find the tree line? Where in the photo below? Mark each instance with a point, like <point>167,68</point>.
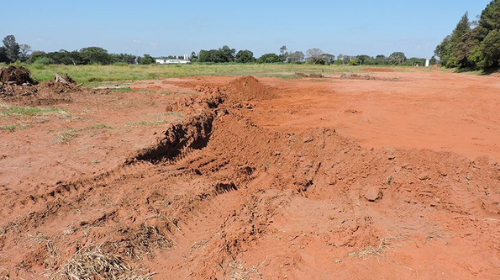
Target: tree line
<point>11,51</point>
<point>312,56</point>
<point>473,44</point>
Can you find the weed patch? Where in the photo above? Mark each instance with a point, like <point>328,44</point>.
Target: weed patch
<point>100,126</point>
<point>67,136</point>
<point>28,111</point>
<point>122,89</point>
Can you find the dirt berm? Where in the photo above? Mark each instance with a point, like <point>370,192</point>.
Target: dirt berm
<point>219,197</point>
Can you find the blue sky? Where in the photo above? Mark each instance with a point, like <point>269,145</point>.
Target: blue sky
<point>162,28</point>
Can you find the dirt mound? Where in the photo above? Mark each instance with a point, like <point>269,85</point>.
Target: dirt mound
<point>313,75</point>
<point>247,89</point>
<point>16,75</point>
<point>354,76</point>
<point>377,69</point>
<point>357,77</point>
<point>46,93</point>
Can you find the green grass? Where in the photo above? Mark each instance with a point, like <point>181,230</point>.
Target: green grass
<point>9,127</point>
<point>100,126</point>
<point>123,89</point>
<point>93,75</point>
<point>147,123</point>
<point>27,111</point>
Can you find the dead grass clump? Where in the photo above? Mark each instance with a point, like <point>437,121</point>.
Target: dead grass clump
<point>94,264</point>
<point>384,245</point>
<point>138,242</point>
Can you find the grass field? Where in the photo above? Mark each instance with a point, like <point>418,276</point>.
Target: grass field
<point>91,75</point>
<point>94,75</point>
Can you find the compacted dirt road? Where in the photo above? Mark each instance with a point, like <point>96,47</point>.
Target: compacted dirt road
<point>380,175</point>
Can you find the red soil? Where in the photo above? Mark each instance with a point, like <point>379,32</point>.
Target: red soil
<point>391,178</point>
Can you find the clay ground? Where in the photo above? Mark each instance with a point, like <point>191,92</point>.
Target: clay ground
<point>382,175</point>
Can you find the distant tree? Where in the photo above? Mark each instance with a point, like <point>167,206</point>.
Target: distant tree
<point>363,59</point>
<point>12,48</point>
<point>296,57</point>
<point>397,58</point>
<point>328,58</point>
<point>315,56</point>
<point>415,61</point>
<point>147,59</point>
<point>433,60</point>
<point>283,54</point>
<point>123,58</point>
<point>34,56</point>
<point>269,58</point>
<point>96,55</point>
<point>3,55</point>
<point>340,59</point>
<point>283,50</point>
<point>226,54</point>
<point>244,56</point>
<point>204,56</point>
<point>66,57</point>
<point>60,57</point>
<point>24,51</point>
<point>380,60</point>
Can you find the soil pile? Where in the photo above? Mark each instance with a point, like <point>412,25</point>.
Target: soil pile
<point>377,69</point>
<point>313,75</point>
<point>16,75</point>
<point>247,89</point>
<point>46,93</point>
<point>357,77</point>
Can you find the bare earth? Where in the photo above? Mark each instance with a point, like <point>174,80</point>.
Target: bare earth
<point>383,175</point>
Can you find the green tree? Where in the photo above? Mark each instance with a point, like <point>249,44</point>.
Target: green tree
<point>147,59</point>
<point>12,48</point>
<point>363,59</point>
<point>490,18</point>
<point>490,49</point>
<point>95,55</point>
<point>36,55</point>
<point>3,55</point>
<point>244,56</point>
<point>397,58</point>
<point>269,58</point>
<point>445,50</point>
<point>224,54</point>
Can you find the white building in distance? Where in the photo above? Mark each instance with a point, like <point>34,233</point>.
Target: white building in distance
<point>163,60</point>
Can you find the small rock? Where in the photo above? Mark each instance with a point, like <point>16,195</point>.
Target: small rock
<point>424,176</point>
<point>308,139</point>
<point>372,193</point>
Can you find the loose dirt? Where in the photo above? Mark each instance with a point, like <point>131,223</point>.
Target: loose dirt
<point>259,178</point>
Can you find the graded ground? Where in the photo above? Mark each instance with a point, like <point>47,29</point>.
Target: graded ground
<point>374,175</point>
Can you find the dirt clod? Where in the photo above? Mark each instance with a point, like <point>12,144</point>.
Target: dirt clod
<point>372,193</point>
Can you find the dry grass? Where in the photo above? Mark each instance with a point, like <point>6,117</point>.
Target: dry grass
<point>384,245</point>
<point>94,264</point>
